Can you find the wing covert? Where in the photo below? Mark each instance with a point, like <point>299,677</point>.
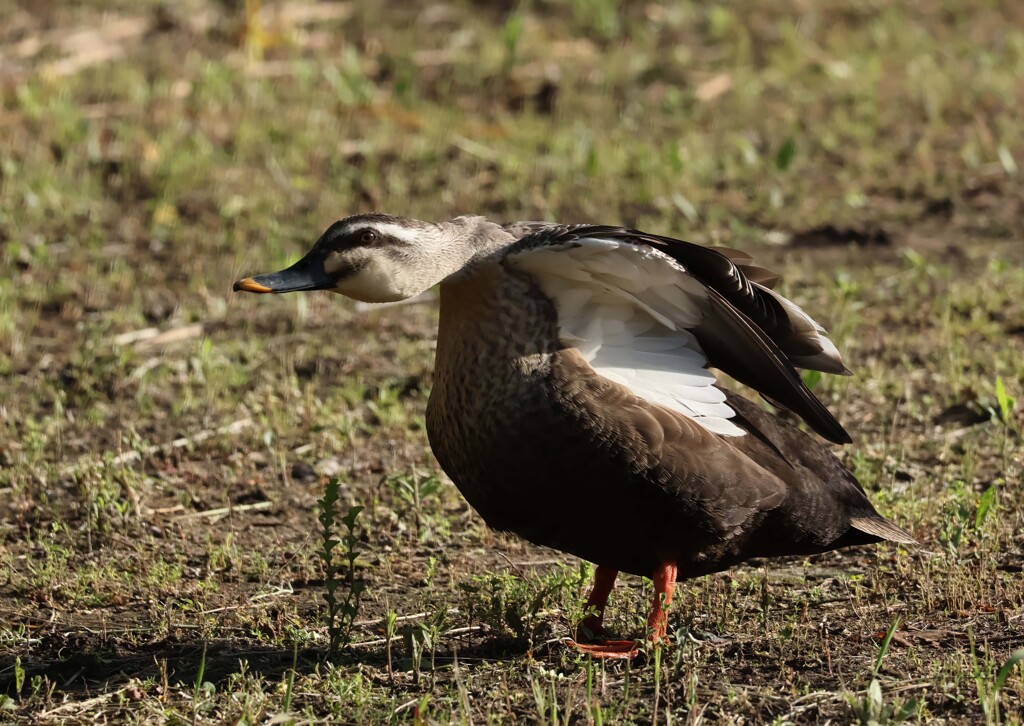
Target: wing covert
<point>643,317</point>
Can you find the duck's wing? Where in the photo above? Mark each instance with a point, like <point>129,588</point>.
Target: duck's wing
<point>652,313</point>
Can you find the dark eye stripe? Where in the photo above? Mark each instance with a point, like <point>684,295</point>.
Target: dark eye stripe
<point>338,239</point>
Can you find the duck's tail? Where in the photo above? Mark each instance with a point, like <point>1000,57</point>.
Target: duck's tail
<point>883,529</point>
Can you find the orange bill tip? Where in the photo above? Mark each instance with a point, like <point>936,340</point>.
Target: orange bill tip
<point>250,285</point>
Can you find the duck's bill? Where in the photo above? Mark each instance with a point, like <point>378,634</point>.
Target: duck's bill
<point>305,274</point>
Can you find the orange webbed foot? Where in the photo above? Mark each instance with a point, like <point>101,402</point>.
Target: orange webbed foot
<point>606,649</point>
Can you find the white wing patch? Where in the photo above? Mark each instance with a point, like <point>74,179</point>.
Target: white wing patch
<point>628,310</point>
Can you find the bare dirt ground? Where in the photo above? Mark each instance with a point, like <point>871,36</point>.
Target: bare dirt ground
<point>163,442</point>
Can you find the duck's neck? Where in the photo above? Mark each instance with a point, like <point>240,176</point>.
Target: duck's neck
<point>473,241</point>
<point>492,318</point>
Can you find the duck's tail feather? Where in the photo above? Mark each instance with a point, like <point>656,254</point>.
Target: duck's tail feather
<point>882,528</point>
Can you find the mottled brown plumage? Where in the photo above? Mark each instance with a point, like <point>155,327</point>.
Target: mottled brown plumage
<point>542,444</point>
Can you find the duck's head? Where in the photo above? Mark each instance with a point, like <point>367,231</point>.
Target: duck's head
<point>381,258</point>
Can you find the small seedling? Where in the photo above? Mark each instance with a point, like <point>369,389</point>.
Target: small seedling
<point>339,577</point>
<point>413,489</point>
<point>19,675</point>
<point>415,637</point>
<point>434,628</point>
<point>986,503</point>
<point>290,682</point>
<point>510,604</point>
<point>956,516</point>
<point>786,153</point>
<point>202,687</point>
<point>390,621</point>
<point>428,576</point>
<point>593,702</point>
<point>200,674</point>
<point>545,696</point>
<point>990,684</point>
<point>1005,404</point>
<point>871,707</point>
<point>511,33</point>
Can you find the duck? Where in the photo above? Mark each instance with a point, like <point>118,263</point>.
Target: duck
<point>576,403</point>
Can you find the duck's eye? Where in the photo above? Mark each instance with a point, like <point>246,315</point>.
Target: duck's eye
<point>368,236</point>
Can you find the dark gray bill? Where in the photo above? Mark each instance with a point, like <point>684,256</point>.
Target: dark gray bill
<point>306,274</point>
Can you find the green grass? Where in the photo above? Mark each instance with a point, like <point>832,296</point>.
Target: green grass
<point>164,442</point>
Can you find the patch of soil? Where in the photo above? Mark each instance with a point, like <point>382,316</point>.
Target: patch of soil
<point>829,235</point>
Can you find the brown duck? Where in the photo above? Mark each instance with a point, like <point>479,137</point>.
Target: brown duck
<point>573,402</point>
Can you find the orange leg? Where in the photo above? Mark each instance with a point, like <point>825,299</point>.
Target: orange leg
<point>657,622</point>
<point>664,585</point>
<point>604,581</point>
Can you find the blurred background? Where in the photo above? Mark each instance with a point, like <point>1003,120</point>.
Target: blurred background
<point>163,441</point>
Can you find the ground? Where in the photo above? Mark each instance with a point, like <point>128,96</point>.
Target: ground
<point>164,442</point>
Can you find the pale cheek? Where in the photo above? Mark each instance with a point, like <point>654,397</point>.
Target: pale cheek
<point>375,283</point>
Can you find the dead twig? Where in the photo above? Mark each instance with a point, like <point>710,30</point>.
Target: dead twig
<point>79,706</point>
<point>231,429</point>
<point>220,512</point>
<point>153,337</point>
<point>400,619</point>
